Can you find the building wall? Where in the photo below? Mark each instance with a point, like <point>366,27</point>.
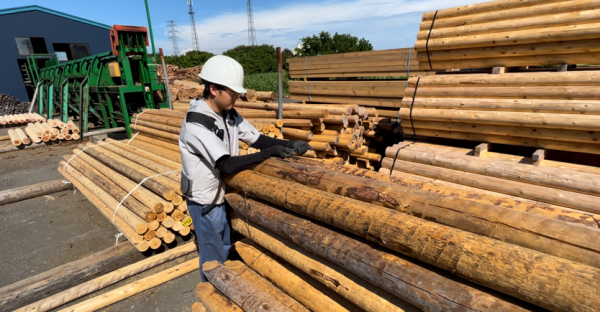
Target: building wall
<point>54,29</point>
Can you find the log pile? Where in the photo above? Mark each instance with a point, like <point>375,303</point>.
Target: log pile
<point>385,93</point>
<point>10,105</point>
<point>509,33</point>
<point>394,62</point>
<point>40,130</point>
<point>492,239</point>
<point>176,73</point>
<point>555,110</point>
<point>135,185</point>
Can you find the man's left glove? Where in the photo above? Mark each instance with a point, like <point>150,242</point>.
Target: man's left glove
<point>300,147</point>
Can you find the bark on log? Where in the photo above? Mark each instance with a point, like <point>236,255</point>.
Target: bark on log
<point>447,248</point>
<point>266,96</point>
<point>145,154</point>
<point>240,291</point>
<point>31,191</point>
<point>548,235</point>
<point>262,284</point>
<point>419,284</point>
<point>214,301</point>
<point>111,277</point>
<point>63,277</point>
<point>350,286</point>
<point>136,287</point>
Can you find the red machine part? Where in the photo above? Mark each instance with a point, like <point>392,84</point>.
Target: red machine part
<point>116,29</point>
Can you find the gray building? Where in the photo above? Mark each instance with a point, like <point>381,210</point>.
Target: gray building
<point>37,30</point>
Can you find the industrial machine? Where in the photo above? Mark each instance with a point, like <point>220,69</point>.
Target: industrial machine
<point>105,89</point>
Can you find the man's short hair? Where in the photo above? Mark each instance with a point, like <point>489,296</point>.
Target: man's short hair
<point>206,93</point>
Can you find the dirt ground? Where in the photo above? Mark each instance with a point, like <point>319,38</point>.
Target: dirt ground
<point>45,232</point>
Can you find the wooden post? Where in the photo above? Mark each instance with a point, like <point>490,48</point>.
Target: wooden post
<point>126,291</point>
<point>80,290</point>
<point>262,284</point>
<point>145,154</point>
<point>32,191</point>
<point>539,156</point>
<point>409,280</point>
<point>214,301</point>
<point>389,228</point>
<point>239,290</point>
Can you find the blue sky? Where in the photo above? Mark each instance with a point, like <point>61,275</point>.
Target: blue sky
<point>222,25</point>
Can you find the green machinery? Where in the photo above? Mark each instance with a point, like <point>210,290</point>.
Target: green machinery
<point>105,89</point>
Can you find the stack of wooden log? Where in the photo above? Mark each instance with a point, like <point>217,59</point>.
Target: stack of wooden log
<point>394,62</point>
<point>10,105</point>
<point>184,91</point>
<point>384,93</point>
<point>176,73</point>
<point>509,33</point>
<point>39,130</point>
<point>489,238</point>
<point>135,185</point>
<point>555,110</point>
<point>17,119</point>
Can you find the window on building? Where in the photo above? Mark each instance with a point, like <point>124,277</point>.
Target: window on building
<point>31,45</point>
<point>71,51</point>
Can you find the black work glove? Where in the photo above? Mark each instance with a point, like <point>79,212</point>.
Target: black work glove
<point>300,147</point>
<point>278,151</point>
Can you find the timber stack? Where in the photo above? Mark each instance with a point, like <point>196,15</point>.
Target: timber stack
<point>10,105</point>
<point>135,185</point>
<point>437,226</point>
<point>509,33</point>
<point>39,130</point>
<point>176,73</point>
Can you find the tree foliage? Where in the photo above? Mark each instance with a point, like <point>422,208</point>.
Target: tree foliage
<point>190,59</point>
<point>324,44</point>
<point>258,59</point>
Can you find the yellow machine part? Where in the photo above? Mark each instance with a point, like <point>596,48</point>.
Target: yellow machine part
<point>114,69</point>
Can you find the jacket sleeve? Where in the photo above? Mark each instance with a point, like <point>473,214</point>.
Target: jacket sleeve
<point>266,141</point>
<point>231,164</point>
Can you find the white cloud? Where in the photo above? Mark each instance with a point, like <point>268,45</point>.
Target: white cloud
<point>386,24</point>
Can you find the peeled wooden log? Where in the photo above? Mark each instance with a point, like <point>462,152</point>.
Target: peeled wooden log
<point>112,188</point>
<point>549,235</point>
<point>14,138</point>
<point>103,281</point>
<point>143,195</point>
<point>409,280</point>
<point>239,290</point>
<point>389,228</point>
<point>32,135</point>
<point>143,124</point>
<point>124,213</point>
<point>158,185</point>
<point>319,146</point>
<point>214,301</point>
<point>297,122</point>
<point>171,137</point>
<point>266,96</point>
<point>160,151</point>
<point>126,291</point>
<point>22,137</point>
<point>31,191</point>
<point>326,138</point>
<point>332,109</point>
<point>553,177</point>
<point>165,144</point>
<point>170,121</point>
<point>350,286</point>
<point>286,114</point>
<point>277,122</point>
<point>130,233</point>
<point>297,133</point>
<point>262,284</point>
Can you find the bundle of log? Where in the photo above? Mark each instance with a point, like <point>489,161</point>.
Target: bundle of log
<point>10,105</point>
<point>509,33</point>
<point>135,185</point>
<point>555,110</point>
<point>492,239</point>
<point>39,130</point>
<point>385,93</point>
<point>176,73</point>
<point>394,62</point>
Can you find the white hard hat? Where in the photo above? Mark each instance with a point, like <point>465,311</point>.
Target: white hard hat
<point>225,71</point>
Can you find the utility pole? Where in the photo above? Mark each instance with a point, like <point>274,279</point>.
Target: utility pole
<point>173,31</point>
<point>251,32</point>
<point>195,44</point>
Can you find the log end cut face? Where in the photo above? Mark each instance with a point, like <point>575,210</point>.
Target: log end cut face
<point>370,195</point>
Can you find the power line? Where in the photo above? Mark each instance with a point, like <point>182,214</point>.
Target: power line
<point>195,44</point>
<point>251,32</point>
<point>173,31</point>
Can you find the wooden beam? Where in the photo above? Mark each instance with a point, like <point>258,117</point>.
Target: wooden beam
<point>35,190</point>
<point>389,228</point>
<point>67,275</point>
<point>482,149</point>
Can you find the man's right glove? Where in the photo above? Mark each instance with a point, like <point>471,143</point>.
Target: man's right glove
<point>278,151</point>
<point>300,147</point>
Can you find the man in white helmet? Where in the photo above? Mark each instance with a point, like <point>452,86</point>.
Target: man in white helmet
<point>209,151</point>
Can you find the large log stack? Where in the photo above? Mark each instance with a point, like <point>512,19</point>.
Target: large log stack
<point>176,73</point>
<point>495,240</point>
<point>554,110</point>
<point>10,105</point>
<point>509,33</point>
<point>39,130</point>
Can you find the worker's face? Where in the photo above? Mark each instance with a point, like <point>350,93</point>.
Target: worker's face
<point>225,99</point>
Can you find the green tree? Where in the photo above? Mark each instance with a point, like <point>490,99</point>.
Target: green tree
<point>324,43</point>
<point>190,59</point>
<point>255,59</point>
